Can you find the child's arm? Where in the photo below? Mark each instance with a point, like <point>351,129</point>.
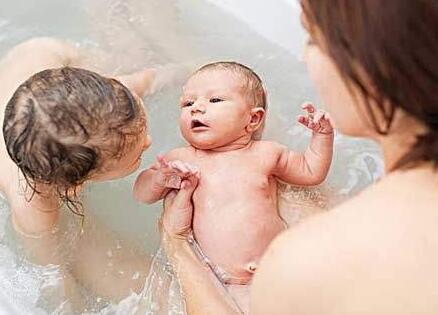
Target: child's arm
<point>140,82</point>
<point>155,182</point>
<point>312,166</point>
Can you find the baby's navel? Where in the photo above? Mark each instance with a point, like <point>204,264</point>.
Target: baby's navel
<point>251,267</point>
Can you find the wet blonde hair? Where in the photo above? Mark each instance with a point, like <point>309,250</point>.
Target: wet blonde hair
<point>62,125</point>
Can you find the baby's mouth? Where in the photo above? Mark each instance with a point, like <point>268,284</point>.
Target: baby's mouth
<point>197,124</point>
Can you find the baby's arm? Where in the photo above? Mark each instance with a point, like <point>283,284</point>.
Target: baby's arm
<point>155,182</point>
<point>312,166</point>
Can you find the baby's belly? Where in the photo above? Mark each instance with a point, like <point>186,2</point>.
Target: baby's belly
<point>234,235</point>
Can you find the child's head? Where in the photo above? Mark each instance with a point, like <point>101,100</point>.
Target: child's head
<point>222,102</point>
<point>65,126</point>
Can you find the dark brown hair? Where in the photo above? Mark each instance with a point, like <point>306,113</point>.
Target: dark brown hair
<point>61,125</point>
<point>389,51</point>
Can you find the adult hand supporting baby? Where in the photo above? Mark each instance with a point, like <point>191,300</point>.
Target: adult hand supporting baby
<point>202,294</point>
<point>178,210</point>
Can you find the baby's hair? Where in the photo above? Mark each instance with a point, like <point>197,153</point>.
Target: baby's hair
<point>252,85</point>
<point>62,125</point>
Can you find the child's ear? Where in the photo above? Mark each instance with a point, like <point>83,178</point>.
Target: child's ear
<point>257,118</point>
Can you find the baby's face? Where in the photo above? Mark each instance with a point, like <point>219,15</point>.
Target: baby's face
<point>214,109</point>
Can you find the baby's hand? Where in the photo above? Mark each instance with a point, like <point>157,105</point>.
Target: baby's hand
<point>172,173</point>
<point>316,120</point>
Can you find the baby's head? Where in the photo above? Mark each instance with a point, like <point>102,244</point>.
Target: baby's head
<point>222,102</point>
<point>65,126</point>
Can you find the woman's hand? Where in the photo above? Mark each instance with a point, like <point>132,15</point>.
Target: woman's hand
<point>202,294</point>
<point>177,217</point>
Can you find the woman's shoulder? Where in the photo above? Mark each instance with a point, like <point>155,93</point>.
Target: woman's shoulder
<point>398,208</point>
<point>374,242</point>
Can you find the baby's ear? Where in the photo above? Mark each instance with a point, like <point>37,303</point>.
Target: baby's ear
<point>257,119</point>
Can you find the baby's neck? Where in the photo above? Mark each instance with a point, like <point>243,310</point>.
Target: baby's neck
<point>239,144</point>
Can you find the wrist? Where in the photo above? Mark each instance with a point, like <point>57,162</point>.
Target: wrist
<point>324,134</point>
<point>176,246</point>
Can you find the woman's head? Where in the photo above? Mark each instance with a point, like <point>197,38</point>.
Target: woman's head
<point>65,126</point>
<point>381,56</point>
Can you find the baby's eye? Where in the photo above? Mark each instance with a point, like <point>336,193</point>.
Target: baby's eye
<point>187,104</point>
<point>215,100</point>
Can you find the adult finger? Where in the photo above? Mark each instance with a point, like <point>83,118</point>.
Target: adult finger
<point>178,209</point>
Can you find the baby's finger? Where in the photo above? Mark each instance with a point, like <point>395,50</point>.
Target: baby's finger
<point>193,169</point>
<point>162,161</point>
<point>319,114</point>
<point>304,120</point>
<point>308,107</point>
<point>326,123</point>
<point>180,167</point>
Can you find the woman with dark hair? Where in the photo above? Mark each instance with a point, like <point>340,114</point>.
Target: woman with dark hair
<point>375,65</point>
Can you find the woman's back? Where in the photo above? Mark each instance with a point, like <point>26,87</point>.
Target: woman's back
<point>374,254</point>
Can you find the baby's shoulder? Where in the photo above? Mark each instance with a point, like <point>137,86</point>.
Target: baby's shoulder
<point>268,148</point>
<point>182,153</point>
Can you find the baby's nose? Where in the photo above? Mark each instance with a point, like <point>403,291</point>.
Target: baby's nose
<point>198,107</point>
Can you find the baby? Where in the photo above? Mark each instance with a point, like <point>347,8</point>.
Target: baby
<point>223,109</point>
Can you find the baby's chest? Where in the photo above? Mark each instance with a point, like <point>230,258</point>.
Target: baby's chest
<point>234,174</point>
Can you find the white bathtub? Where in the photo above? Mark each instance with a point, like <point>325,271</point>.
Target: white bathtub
<point>264,35</point>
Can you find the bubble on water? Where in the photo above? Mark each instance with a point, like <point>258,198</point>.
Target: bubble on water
<point>296,203</point>
<point>136,275</point>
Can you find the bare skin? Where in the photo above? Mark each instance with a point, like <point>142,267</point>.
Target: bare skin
<point>374,254</point>
<point>40,214</point>
<point>389,250</point>
<point>35,219</point>
<point>236,214</point>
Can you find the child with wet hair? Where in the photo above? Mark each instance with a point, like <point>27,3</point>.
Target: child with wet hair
<point>65,126</point>
<point>236,216</point>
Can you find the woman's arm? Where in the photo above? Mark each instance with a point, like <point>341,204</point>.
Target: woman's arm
<point>203,293</point>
